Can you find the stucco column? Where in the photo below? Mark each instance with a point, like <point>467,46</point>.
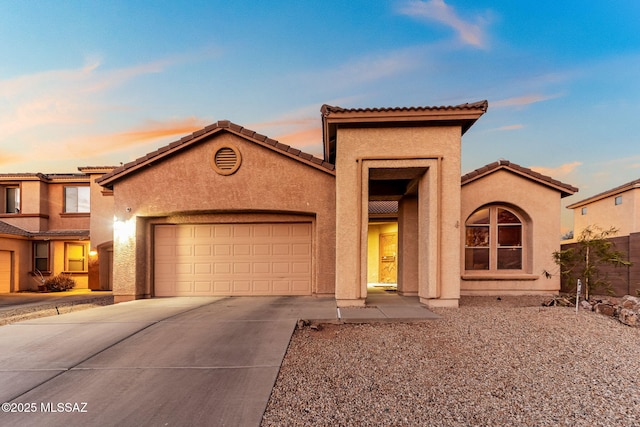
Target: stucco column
<point>408,246</point>
<point>348,234</point>
<point>439,225</point>
<point>126,259</point>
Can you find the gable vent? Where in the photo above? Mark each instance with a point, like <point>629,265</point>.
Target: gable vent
<point>226,160</point>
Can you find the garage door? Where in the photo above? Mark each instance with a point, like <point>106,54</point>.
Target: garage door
<point>5,271</point>
<point>232,259</point>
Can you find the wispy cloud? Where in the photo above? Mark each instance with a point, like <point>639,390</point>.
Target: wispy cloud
<point>58,97</point>
<point>372,68</point>
<point>521,101</point>
<point>9,158</point>
<point>68,96</point>
<point>471,33</point>
<point>308,140</point>
<point>558,172</point>
<point>147,132</point>
<point>508,127</point>
<point>300,129</point>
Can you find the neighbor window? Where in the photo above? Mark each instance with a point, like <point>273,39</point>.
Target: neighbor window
<point>12,199</point>
<point>75,257</point>
<point>76,199</point>
<point>493,240</point>
<point>618,200</point>
<point>41,256</point>
<point>584,211</point>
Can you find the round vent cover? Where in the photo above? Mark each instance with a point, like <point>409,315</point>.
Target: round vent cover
<point>226,160</point>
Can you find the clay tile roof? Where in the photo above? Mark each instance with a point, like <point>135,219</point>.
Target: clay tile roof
<point>565,189</point>
<point>612,192</point>
<point>6,228</point>
<point>463,115</point>
<point>328,109</point>
<point>382,207</point>
<point>108,179</point>
<point>53,233</point>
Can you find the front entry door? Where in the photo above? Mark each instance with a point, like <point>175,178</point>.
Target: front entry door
<point>388,257</point>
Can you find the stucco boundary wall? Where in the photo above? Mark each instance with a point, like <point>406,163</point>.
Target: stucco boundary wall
<point>624,280</point>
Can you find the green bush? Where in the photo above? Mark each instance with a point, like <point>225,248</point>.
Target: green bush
<point>59,283</point>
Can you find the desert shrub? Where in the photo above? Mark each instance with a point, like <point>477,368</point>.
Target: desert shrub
<point>59,283</point>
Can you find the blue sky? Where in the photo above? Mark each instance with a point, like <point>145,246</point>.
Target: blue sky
<point>95,83</point>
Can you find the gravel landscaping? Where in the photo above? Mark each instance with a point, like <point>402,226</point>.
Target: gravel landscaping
<point>492,362</point>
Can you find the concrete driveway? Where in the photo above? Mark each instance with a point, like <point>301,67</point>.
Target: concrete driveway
<point>166,361</point>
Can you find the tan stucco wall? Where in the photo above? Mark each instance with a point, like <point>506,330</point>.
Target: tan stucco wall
<point>541,206</point>
<point>34,210</point>
<point>186,188</point>
<point>440,147</point>
<point>58,220</point>
<point>101,231</point>
<point>605,214</point>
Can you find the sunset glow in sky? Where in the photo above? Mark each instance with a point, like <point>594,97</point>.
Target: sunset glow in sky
<point>96,83</point>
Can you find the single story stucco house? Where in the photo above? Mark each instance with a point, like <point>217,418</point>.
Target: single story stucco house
<point>227,211</point>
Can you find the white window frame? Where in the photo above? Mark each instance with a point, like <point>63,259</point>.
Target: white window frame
<point>11,202</point>
<point>74,199</point>
<point>493,246</point>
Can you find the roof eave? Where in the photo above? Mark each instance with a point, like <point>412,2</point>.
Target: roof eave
<point>613,192</point>
<point>464,115</point>
<point>565,190</point>
<point>109,179</point>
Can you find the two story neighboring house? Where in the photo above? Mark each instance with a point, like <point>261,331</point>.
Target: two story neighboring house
<point>618,207</point>
<point>44,227</point>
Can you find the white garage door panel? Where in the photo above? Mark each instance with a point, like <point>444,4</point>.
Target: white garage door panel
<point>232,259</point>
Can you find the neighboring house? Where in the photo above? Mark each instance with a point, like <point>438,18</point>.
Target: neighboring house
<point>619,208</point>
<point>227,211</point>
<point>44,228</point>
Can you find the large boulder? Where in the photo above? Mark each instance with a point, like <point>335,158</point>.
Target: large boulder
<point>629,311</point>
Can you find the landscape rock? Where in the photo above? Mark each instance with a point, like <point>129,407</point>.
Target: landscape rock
<point>628,317</point>
<point>606,309</point>
<point>626,310</point>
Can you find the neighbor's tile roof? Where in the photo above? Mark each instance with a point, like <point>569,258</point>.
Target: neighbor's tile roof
<point>47,177</point>
<point>565,189</point>
<point>614,191</point>
<point>6,228</point>
<point>221,125</point>
<point>11,229</point>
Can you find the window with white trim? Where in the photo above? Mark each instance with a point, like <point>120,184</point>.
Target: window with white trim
<point>493,240</point>
<point>12,199</point>
<point>41,256</point>
<point>76,199</point>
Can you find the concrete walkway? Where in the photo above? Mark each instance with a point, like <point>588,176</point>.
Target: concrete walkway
<point>166,361</point>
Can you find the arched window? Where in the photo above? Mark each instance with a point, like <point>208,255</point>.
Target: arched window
<point>493,240</point>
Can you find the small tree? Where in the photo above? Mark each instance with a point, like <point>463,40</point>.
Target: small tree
<point>592,250</point>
